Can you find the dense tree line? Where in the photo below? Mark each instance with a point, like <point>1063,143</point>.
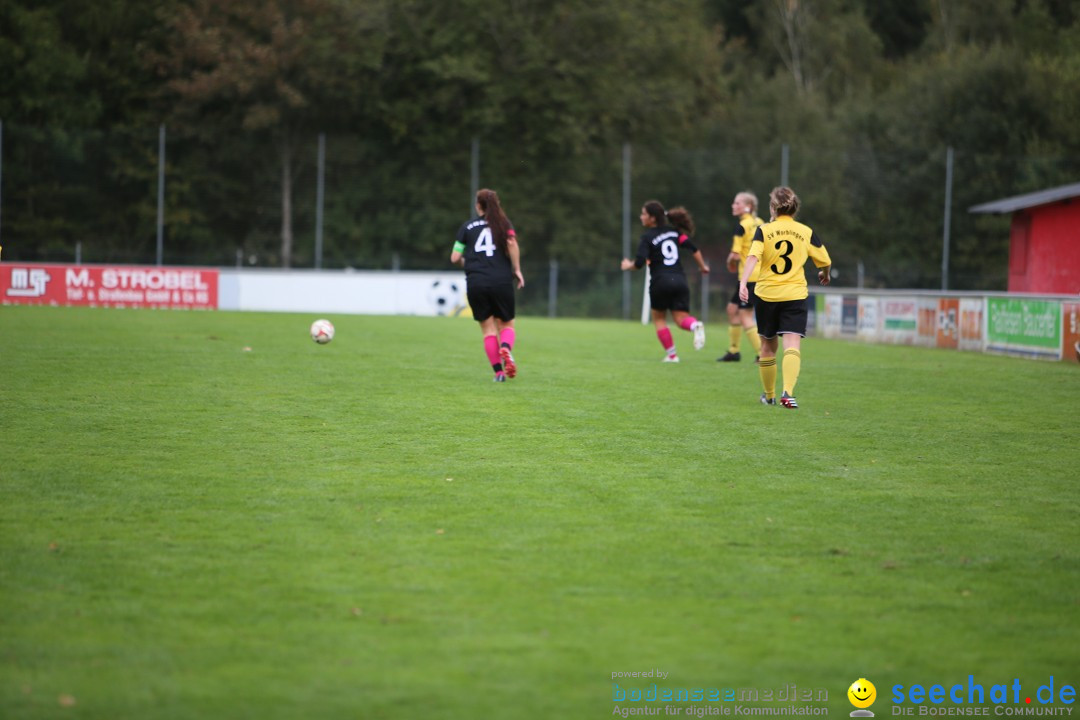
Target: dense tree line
<point>865,95</point>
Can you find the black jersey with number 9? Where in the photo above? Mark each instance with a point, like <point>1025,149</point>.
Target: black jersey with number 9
<point>660,247</point>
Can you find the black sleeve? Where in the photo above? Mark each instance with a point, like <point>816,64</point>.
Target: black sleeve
<point>642,252</point>
<point>688,244</point>
<point>814,239</point>
<point>758,237</point>
<point>738,231</point>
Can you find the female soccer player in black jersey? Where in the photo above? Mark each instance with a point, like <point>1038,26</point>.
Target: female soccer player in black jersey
<point>487,248</point>
<point>668,289</point>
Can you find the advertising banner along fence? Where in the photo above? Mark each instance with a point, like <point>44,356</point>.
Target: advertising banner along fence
<point>1023,327</point>
<point>109,286</point>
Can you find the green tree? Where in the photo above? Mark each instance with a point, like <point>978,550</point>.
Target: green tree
<point>984,104</point>
<point>902,25</point>
<point>961,23</point>
<point>824,46</point>
<point>275,68</point>
<point>46,88</point>
<point>77,167</point>
<point>551,89</point>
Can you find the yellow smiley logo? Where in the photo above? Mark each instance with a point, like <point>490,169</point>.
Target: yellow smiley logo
<point>862,693</point>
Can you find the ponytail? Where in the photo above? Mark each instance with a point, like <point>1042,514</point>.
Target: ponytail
<point>497,221</point>
<point>682,221</point>
<point>677,217</point>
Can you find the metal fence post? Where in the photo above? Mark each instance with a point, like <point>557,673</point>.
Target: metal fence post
<point>1,168</point>
<point>553,288</point>
<point>474,182</point>
<point>784,164</point>
<point>704,298</point>
<point>319,194</point>
<point>161,196</point>
<point>626,227</point>
<point>948,220</point>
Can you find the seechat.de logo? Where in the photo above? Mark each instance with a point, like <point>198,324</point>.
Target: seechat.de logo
<point>862,695</point>
<point>1011,698</point>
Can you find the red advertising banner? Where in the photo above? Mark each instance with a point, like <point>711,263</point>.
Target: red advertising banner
<point>109,286</point>
<point>948,322</point>
<point>927,322</point>
<point>1070,331</point>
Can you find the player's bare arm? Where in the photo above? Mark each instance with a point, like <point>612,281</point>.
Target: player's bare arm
<point>744,291</point>
<point>514,252</point>
<point>733,261</point>
<point>700,260</point>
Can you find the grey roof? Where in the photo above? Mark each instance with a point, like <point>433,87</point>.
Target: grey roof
<point>1021,202</point>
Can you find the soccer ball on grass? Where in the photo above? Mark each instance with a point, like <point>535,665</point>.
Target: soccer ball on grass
<point>322,331</point>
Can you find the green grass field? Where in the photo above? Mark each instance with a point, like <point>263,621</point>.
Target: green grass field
<point>374,529</point>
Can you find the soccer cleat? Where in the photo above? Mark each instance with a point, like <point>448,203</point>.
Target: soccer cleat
<point>500,377</point>
<point>670,358</point>
<point>508,362</point>
<point>699,334</point>
<point>767,401</point>
<point>788,401</point>
<point>730,357</point>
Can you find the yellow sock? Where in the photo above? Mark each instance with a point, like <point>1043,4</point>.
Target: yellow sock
<point>767,370</point>
<point>735,331</point>
<point>755,339</point>
<point>792,365</point>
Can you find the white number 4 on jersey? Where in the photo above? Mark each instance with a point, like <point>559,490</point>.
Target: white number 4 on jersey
<point>484,243</point>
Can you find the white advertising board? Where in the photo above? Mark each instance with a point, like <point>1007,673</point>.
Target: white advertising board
<point>346,292</point>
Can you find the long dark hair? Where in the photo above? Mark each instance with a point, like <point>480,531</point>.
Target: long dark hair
<point>681,219</point>
<point>678,217</point>
<point>488,201</point>
<point>656,211</point>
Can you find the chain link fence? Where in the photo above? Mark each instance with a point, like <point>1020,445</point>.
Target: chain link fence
<point>241,199</point>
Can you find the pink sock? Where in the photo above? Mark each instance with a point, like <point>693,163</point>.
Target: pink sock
<point>665,339</point>
<point>688,322</point>
<point>506,337</point>
<point>491,347</point>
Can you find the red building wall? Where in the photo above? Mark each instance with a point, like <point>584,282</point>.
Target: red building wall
<point>1044,251</point>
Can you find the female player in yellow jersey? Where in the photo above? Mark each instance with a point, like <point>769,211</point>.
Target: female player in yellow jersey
<point>741,312</point>
<point>781,247</point>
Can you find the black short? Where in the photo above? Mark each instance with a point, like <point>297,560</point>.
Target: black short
<point>749,304</point>
<point>778,318</point>
<point>669,291</point>
<point>488,301</point>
